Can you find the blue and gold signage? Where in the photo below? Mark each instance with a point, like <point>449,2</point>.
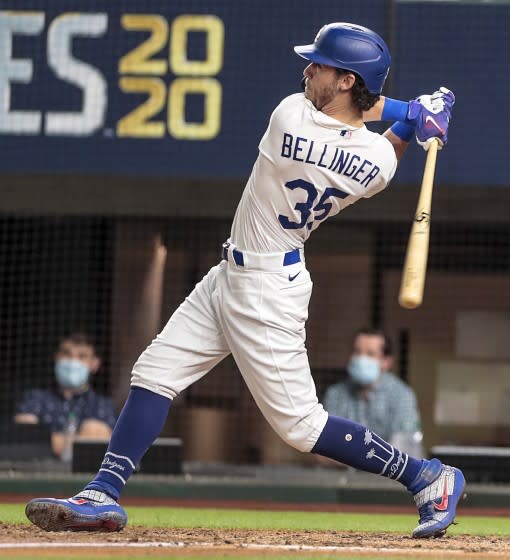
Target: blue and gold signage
<point>182,88</point>
<point>185,87</point>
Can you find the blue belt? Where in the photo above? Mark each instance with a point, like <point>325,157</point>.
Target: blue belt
<point>292,257</point>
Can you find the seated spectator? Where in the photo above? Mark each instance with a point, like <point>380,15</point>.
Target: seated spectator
<point>373,396</point>
<point>73,407</point>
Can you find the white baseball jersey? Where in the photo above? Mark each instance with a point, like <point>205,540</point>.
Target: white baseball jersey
<point>310,167</point>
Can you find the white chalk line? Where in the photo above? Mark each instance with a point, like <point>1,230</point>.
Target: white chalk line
<point>255,546</point>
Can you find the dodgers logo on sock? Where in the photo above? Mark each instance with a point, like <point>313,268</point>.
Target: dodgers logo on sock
<point>118,465</point>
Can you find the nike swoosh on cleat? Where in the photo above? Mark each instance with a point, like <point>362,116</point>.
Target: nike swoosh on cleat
<point>443,504</point>
<point>428,118</point>
<point>294,277</point>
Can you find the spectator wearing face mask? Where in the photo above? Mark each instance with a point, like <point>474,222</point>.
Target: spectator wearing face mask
<point>373,396</point>
<point>74,402</point>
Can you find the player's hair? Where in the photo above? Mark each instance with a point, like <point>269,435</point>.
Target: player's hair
<point>387,344</point>
<point>361,97</point>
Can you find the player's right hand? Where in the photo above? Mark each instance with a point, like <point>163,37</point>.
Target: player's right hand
<point>430,115</point>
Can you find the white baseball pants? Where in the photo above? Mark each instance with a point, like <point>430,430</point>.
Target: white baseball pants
<point>257,312</point>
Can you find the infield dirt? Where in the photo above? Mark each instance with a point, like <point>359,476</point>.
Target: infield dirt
<point>235,542</point>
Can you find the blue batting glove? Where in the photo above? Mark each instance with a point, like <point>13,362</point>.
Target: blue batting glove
<point>430,115</point>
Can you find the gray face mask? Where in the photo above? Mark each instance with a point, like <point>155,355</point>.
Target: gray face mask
<point>71,374</point>
<point>364,370</point>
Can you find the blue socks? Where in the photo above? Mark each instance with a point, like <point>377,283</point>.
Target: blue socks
<point>355,445</point>
<point>139,424</point>
<point>145,413</point>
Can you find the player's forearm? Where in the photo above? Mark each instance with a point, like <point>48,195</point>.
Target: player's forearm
<point>387,109</point>
<point>375,113</point>
<point>399,134</point>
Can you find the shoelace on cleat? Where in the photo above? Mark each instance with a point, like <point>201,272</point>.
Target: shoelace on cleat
<point>426,512</point>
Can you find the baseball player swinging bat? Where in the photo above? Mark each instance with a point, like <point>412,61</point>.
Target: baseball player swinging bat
<point>415,267</point>
<point>316,158</point>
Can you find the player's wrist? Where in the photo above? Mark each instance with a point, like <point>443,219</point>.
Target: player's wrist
<point>403,130</point>
<point>394,110</point>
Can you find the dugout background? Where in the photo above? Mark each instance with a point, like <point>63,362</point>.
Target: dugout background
<point>106,231</point>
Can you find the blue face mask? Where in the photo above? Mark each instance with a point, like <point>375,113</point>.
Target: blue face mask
<point>71,374</point>
<point>364,370</point>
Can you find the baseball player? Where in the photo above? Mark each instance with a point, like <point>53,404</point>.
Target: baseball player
<point>315,159</point>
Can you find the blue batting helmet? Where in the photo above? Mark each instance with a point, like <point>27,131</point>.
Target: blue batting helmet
<point>351,47</point>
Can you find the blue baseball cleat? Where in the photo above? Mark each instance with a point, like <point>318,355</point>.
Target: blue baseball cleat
<point>88,511</point>
<point>437,501</point>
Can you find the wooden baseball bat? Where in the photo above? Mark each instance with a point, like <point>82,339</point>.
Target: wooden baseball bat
<point>415,267</point>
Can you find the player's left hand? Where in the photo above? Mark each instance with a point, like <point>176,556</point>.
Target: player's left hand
<point>431,115</point>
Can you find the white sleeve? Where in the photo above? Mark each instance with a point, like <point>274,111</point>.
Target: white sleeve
<point>387,171</point>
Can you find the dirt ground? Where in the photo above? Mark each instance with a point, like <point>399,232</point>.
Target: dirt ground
<point>261,541</point>
<point>235,543</point>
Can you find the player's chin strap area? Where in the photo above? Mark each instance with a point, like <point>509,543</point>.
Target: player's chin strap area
<point>259,261</point>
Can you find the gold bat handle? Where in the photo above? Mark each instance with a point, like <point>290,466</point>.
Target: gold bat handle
<point>415,266</point>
